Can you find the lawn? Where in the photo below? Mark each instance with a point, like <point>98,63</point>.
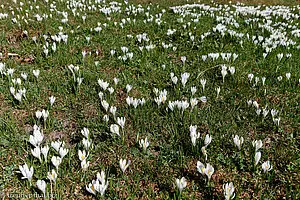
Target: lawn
<point>149,99</point>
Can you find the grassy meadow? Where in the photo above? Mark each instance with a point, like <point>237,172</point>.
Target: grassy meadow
<point>149,99</point>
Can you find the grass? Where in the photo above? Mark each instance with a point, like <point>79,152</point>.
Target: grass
<point>171,155</point>
<point>264,2</point>
<point>246,2</point>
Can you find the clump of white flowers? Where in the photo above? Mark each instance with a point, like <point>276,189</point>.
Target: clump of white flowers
<point>83,154</point>
<point>26,172</point>
<point>238,141</point>
<point>77,77</point>
<point>162,97</point>
<point>208,170</point>
<point>99,185</point>
<point>194,135</point>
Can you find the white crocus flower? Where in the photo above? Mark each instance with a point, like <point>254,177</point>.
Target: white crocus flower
<point>144,143</point>
<point>200,167</point>
<point>280,56</point>
<point>171,105</point>
<point>276,121</point>
<point>52,100</point>
<point>250,77</point>
<point>56,145</point>
<point>85,164</point>
<point>45,151</point>
<point>82,155</point>
<point>114,128</point>
<point>12,90</point>
<point>105,118</point>
<point>207,140</point>
<point>203,83</point>
<point>38,114</point>
<point>10,71</point>
<point>23,92</point>
<point>224,72</point>
<point>105,105</point>
<point>203,99</point>
<point>194,102</point>
<point>193,90</point>
<point>279,78</point>
<point>174,79</point>
<point>256,80</point>
<point>181,184</point>
<point>232,70</point>
<point>101,187</point>
<point>209,170</point>
<point>85,132</point>
<point>123,164</point>
<point>194,135</point>
<point>36,152</point>
<point>121,121</point>
<point>2,67</point>
<point>37,137</point>
<point>255,104</point>
<point>257,144</point>
<point>266,166</point>
<point>129,100</point>
<point>218,89</point>
<point>238,141</point>
<point>104,85</point>
<point>86,143</point>
<point>183,59</point>
<point>45,114</point>
<point>128,88</point>
<point>111,90</point>
<point>26,172</point>
<point>100,94</point>
<point>83,54</point>
<point>41,184</point>
<point>184,78</point>
<point>52,176</point>
<point>274,112</point>
<point>79,80</point>
<point>228,191</point>
<point>56,160</point>
<point>36,73</point>
<point>116,81</point>
<point>265,112</point>
<point>263,79</point>
<point>24,76</point>
<point>18,96</point>
<point>92,187</point>
<point>101,176</point>
<point>258,111</point>
<point>193,128</point>
<point>63,152</point>
<point>161,98</point>
<point>257,157</point>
